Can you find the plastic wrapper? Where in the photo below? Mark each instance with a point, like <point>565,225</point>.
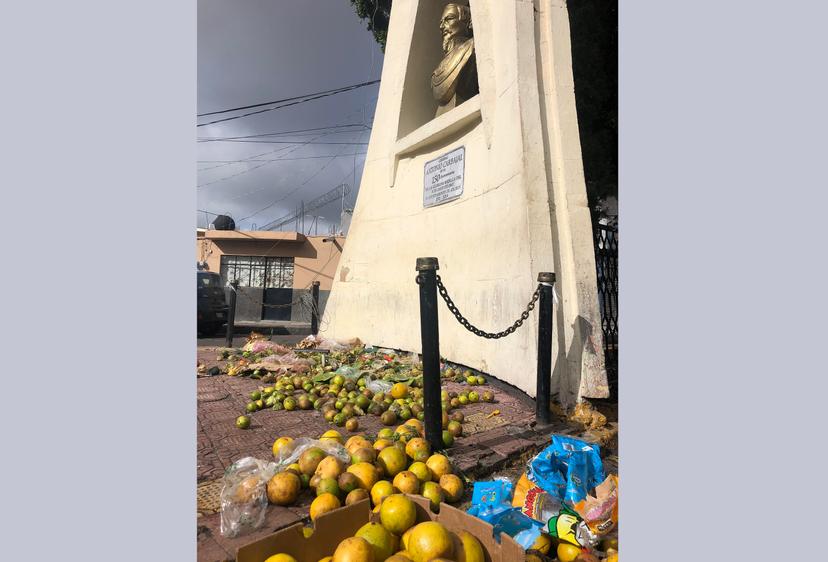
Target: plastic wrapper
<point>533,501</point>
<point>568,527</point>
<point>379,386</point>
<point>524,530</point>
<point>244,496</point>
<point>318,342</point>
<point>284,363</point>
<point>567,469</point>
<point>600,512</point>
<point>348,372</point>
<point>258,346</point>
<point>289,453</point>
<point>491,498</point>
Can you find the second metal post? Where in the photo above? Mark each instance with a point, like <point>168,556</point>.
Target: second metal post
<point>545,320</point>
<point>315,308</point>
<point>231,313</point>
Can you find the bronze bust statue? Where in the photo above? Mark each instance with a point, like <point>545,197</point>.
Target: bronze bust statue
<point>455,78</point>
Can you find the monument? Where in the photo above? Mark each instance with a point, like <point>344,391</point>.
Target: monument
<point>455,78</point>
<point>475,159</point>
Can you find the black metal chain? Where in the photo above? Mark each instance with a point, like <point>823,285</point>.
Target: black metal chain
<point>476,331</point>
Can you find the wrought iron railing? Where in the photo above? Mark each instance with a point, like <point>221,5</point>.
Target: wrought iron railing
<point>606,261</point>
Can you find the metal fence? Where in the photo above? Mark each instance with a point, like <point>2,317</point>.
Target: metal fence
<point>606,261</point>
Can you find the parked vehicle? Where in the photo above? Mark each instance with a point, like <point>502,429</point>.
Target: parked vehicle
<point>212,304</point>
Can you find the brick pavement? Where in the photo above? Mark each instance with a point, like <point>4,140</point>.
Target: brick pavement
<point>222,399</point>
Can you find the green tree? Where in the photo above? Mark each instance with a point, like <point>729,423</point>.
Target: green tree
<point>594,37</point>
<point>376,13</point>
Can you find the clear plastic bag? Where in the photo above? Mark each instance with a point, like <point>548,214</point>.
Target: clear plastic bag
<point>244,496</point>
<point>289,453</point>
<point>348,372</point>
<point>379,386</point>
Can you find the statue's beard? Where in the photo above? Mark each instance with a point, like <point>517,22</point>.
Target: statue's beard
<point>450,41</point>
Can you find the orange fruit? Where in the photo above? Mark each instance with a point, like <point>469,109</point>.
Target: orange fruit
<point>380,491</point>
<point>399,390</point>
<point>430,540</point>
<point>382,542</point>
<point>279,443</point>
<point>398,513</point>
<point>353,549</point>
<point>323,504</point>
<point>366,473</point>
<point>392,460</point>
<point>407,482</point>
<point>439,465</point>
<point>452,487</point>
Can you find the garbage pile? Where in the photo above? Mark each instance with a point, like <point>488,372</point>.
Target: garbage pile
<point>562,508</point>
<point>348,382</point>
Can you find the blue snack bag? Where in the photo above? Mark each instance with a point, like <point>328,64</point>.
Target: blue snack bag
<point>490,498</point>
<point>523,529</point>
<point>567,469</point>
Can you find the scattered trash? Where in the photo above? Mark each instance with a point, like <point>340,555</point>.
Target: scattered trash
<point>534,502</point>
<point>568,527</point>
<point>490,498</point>
<point>567,469</point>
<point>524,530</point>
<point>348,372</point>
<point>600,512</point>
<point>563,493</point>
<point>379,386</point>
<point>491,503</point>
<point>290,452</point>
<point>493,413</point>
<point>587,416</point>
<point>244,496</point>
<point>258,346</point>
<point>602,436</point>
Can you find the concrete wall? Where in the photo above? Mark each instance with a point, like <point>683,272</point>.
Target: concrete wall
<point>523,209</point>
<point>314,260</point>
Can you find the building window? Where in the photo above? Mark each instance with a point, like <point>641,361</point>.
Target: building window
<point>256,271</point>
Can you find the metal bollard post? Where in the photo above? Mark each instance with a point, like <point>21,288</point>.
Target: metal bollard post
<point>545,321</point>
<point>429,331</point>
<point>315,308</point>
<point>231,313</point>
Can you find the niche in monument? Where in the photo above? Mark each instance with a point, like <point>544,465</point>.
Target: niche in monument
<point>441,71</point>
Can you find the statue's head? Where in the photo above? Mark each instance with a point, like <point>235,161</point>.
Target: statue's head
<point>455,25</point>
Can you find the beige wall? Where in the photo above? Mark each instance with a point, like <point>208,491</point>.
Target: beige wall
<point>314,260</point>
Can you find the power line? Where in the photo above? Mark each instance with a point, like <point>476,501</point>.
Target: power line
<point>265,163</point>
<point>298,187</point>
<point>337,90</point>
<point>286,142</point>
<point>285,104</point>
<point>274,159</point>
<point>297,131</point>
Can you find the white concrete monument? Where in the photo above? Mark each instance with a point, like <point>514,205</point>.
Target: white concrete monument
<point>475,159</point>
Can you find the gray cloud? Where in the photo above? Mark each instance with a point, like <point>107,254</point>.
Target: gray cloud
<point>253,51</point>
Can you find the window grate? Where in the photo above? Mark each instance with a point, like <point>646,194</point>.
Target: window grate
<point>258,271</point>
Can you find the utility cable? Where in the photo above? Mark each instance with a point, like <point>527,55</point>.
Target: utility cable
<point>341,88</point>
<point>283,105</point>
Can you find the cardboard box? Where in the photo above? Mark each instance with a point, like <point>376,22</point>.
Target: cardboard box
<point>335,526</point>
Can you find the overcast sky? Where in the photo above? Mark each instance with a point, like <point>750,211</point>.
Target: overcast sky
<point>254,51</point>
